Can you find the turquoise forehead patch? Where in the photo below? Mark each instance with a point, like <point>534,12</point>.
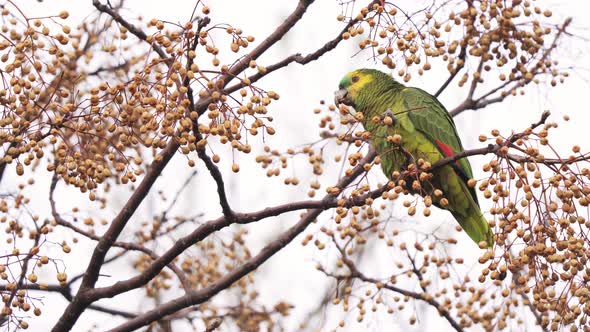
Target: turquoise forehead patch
<point>345,81</point>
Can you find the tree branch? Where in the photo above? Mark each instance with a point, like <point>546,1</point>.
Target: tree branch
<point>3,164</point>
<point>272,248</point>
<point>474,104</point>
<point>130,27</point>
<point>462,55</point>
<point>298,58</point>
<point>80,301</point>
<point>23,273</point>
<point>355,273</point>
<point>244,218</point>
<point>66,292</point>
<point>109,69</point>
<point>216,175</point>
<point>274,37</point>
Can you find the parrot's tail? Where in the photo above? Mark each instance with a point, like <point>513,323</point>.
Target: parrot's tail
<point>476,226</point>
<point>467,212</point>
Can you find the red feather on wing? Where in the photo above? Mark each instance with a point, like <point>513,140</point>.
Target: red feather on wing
<point>446,150</point>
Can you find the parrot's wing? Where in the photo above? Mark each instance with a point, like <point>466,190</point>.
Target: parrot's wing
<point>431,118</point>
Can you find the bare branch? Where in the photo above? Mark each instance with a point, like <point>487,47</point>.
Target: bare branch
<point>110,69</point>
<point>355,273</point>
<point>474,104</point>
<point>80,301</point>
<point>23,273</point>
<point>132,28</point>
<point>124,245</point>
<point>3,164</point>
<point>462,55</point>
<point>164,216</point>
<point>268,251</point>
<point>214,325</point>
<point>216,174</point>
<point>298,58</point>
<point>66,292</point>
<point>243,218</point>
<point>274,37</point>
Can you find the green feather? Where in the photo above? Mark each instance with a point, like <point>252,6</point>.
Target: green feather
<point>432,119</point>
<point>421,120</point>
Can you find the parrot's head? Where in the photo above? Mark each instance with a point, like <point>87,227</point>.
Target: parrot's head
<point>359,87</point>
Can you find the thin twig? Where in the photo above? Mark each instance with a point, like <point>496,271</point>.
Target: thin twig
<point>474,104</point>
<point>298,58</point>
<point>243,218</point>
<point>124,245</point>
<point>130,27</point>
<point>218,178</point>
<point>227,280</point>
<point>66,292</point>
<point>462,55</point>
<point>355,273</point>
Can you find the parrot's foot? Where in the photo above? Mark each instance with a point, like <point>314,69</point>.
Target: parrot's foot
<point>389,114</point>
<point>411,173</point>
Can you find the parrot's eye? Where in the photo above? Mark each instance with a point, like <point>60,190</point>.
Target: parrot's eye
<point>355,79</point>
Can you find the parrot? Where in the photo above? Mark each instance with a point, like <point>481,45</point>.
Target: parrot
<point>406,125</point>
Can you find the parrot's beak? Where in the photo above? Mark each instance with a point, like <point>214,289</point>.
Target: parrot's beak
<point>341,97</point>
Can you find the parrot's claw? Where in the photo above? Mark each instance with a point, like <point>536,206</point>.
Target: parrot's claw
<point>390,114</point>
<point>411,173</point>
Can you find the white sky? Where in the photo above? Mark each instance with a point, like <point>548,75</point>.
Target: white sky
<point>301,89</point>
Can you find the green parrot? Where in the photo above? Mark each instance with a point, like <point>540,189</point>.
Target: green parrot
<point>427,132</point>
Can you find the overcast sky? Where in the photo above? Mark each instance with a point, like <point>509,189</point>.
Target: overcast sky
<point>301,90</point>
